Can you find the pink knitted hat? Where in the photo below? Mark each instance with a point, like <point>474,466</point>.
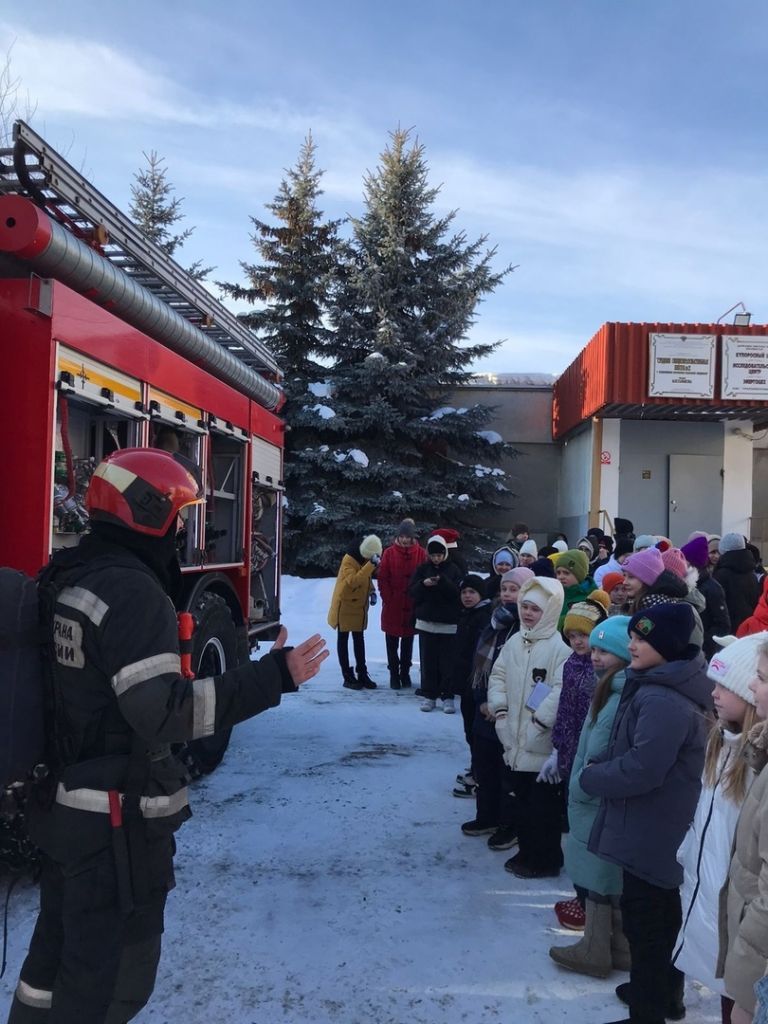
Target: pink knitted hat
<point>674,561</point>
<point>520,575</point>
<point>646,565</point>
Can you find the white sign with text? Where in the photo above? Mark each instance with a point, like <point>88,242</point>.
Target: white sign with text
<point>745,366</point>
<point>681,365</point>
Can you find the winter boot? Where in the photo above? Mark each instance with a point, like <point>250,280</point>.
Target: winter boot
<point>570,914</point>
<point>349,680</point>
<point>591,954</point>
<point>394,679</point>
<point>449,707</point>
<point>405,676</point>
<point>364,679</point>
<point>428,704</point>
<point>620,957</point>
<point>675,1007</point>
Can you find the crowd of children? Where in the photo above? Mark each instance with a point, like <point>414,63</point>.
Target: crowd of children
<point>628,716</point>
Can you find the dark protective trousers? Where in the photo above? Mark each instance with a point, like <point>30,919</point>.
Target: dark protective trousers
<point>89,963</point>
<point>652,917</point>
<point>539,820</point>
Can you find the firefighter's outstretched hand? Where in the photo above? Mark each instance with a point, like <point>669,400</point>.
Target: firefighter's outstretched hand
<point>305,659</point>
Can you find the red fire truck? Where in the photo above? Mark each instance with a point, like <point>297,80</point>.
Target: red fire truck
<point>108,343</point>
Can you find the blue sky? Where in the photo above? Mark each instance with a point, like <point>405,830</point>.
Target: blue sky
<point>614,149</point>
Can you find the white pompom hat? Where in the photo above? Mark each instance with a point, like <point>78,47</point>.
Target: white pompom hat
<point>734,666</point>
<point>370,546</point>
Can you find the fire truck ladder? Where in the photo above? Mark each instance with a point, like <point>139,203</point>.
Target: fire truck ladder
<point>32,168</point>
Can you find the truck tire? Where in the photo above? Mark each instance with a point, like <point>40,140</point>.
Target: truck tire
<point>214,651</point>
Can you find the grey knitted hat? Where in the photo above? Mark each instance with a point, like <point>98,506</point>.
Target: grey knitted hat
<point>732,542</point>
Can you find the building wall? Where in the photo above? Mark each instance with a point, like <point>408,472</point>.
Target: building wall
<point>523,417</point>
<point>575,484</point>
<point>645,449</point>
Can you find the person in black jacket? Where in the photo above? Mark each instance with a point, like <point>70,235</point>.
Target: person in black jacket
<point>435,592</point>
<point>475,616</point>
<point>714,616</point>
<point>735,573</point>
<point>116,794</point>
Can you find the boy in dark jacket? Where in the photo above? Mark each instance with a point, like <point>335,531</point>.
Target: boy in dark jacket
<point>475,616</point>
<point>650,783</point>
<point>435,592</point>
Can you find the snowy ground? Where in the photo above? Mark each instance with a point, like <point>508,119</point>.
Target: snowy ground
<point>324,879</point>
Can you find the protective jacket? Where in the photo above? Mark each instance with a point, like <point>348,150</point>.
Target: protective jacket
<point>397,566</point>
<point>122,700</point>
<point>530,656</point>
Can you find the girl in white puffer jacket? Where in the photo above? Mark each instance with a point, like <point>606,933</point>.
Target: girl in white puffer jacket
<point>523,695</point>
<point>706,850</point>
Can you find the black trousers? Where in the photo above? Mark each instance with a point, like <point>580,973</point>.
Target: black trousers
<point>651,917</point>
<point>495,805</point>
<point>342,649</point>
<point>399,660</point>
<point>540,806</point>
<point>468,709</point>
<point>437,664</point>
<point>89,963</point>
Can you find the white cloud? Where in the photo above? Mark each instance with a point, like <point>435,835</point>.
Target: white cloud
<point>104,83</point>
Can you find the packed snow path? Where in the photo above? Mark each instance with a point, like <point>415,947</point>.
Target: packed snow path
<point>324,879</point>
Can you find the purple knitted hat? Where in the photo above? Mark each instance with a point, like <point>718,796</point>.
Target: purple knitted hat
<point>696,551</point>
<point>646,565</point>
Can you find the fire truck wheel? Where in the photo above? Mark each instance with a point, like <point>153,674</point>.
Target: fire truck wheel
<point>215,650</point>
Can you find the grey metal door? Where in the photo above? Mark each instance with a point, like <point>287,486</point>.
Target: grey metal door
<point>695,495</point>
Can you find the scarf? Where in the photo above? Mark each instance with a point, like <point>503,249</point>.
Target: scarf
<point>504,621</point>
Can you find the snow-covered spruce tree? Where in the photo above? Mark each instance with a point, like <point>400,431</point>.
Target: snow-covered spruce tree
<point>402,310</point>
<point>156,210</point>
<point>299,258</point>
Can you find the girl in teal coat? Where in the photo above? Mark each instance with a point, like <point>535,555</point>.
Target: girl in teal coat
<point>603,946</point>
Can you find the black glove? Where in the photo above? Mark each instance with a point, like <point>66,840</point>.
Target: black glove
<point>375,559</point>
<point>372,598</point>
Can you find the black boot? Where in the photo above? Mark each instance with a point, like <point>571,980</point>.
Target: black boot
<point>676,1006</point>
<point>364,680</point>
<point>349,680</point>
<point>394,679</point>
<point>405,677</point>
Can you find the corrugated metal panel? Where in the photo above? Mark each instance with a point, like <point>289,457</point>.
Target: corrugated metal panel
<point>612,371</point>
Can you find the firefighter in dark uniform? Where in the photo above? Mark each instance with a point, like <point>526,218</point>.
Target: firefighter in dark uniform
<point>106,816</point>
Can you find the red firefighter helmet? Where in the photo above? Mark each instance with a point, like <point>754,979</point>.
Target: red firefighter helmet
<point>143,489</point>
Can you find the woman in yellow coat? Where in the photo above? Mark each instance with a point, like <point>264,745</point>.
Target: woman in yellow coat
<point>349,608</point>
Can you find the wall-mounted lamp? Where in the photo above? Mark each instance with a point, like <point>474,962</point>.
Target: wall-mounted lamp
<point>740,319</point>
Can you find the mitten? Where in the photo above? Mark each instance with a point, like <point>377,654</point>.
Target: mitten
<point>549,772</point>
<point>375,559</point>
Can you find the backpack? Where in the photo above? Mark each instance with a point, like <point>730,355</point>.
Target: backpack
<point>22,677</point>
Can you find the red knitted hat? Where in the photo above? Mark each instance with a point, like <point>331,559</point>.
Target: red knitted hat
<point>610,580</point>
<point>674,561</point>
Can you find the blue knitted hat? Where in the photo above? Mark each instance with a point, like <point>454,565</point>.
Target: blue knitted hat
<point>612,636</point>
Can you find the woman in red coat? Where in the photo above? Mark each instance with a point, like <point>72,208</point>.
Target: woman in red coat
<point>394,575</point>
